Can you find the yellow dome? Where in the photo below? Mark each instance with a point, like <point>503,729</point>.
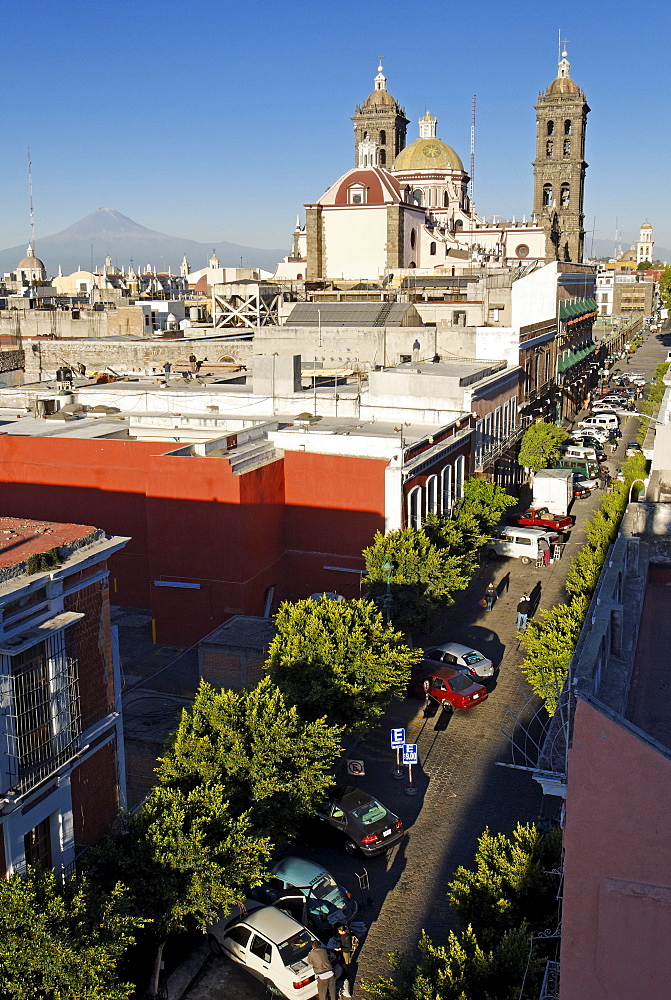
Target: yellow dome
<point>428,154</point>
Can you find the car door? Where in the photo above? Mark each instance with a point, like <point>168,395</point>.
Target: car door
<point>260,957</point>
<point>438,689</point>
<point>236,942</point>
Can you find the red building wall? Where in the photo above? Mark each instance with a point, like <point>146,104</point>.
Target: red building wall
<point>95,804</point>
<point>89,641</point>
<point>617,869</point>
<point>192,521</point>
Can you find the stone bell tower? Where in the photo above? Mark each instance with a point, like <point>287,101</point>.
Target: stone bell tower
<point>379,127</point>
<point>559,167</point>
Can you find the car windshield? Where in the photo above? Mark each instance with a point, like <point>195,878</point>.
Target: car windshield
<point>472,657</point>
<point>296,947</point>
<point>369,813</point>
<point>323,886</point>
<point>460,683</point>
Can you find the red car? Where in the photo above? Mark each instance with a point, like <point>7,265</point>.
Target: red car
<point>581,493</point>
<point>453,688</point>
<point>540,517</point>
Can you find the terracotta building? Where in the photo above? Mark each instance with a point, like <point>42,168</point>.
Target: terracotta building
<point>61,769</point>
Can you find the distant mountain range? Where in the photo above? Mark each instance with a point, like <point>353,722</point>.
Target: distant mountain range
<point>606,248</point>
<point>107,232</point>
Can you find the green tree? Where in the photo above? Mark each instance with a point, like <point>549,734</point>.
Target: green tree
<point>464,970</point>
<point>182,856</point>
<point>540,446</point>
<point>665,286</point>
<point>549,641</point>
<point>425,575</point>
<point>511,882</point>
<point>340,660</point>
<point>486,502</point>
<point>644,265</point>
<point>273,766</point>
<point>60,940</point>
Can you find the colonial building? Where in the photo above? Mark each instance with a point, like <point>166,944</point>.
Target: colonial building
<point>559,167</point>
<point>379,127</point>
<point>61,768</point>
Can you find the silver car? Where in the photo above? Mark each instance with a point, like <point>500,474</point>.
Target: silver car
<point>463,658</point>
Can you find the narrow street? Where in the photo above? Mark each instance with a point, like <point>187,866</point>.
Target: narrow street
<point>462,785</point>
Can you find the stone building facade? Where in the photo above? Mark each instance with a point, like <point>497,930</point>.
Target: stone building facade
<point>559,167</point>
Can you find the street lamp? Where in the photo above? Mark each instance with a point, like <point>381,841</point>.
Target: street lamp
<point>387,570</point>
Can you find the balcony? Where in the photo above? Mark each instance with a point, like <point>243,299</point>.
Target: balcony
<point>486,458</point>
<point>550,987</point>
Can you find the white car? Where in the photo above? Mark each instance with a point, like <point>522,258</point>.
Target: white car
<point>596,433</point>
<point>271,945</point>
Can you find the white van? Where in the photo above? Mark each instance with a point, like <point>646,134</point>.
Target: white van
<point>586,452</point>
<point>525,544</point>
<point>607,421</point>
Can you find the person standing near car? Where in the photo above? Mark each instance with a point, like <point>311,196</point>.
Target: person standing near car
<point>523,609</point>
<point>321,963</point>
<point>342,944</point>
<point>490,596</point>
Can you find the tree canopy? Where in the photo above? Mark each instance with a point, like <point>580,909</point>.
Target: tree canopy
<point>540,446</point>
<point>665,286</point>
<point>60,940</point>
<point>340,660</point>
<point>272,765</point>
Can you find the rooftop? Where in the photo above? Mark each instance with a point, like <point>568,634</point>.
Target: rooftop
<point>20,538</point>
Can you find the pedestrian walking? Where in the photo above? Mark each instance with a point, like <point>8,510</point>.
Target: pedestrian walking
<point>490,596</point>
<point>167,368</point>
<point>523,609</point>
<point>323,970</point>
<point>193,364</point>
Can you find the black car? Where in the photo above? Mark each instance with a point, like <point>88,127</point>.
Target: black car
<point>361,821</point>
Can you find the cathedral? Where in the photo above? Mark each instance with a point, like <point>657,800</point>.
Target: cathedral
<point>407,208</point>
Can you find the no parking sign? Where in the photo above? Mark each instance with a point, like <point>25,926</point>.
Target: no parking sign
<point>356,767</point>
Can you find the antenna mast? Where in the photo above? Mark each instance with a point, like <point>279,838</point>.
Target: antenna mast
<point>30,193</point>
<point>473,154</point>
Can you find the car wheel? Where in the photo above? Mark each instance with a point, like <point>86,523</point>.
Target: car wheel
<point>351,848</point>
<point>525,560</point>
<point>271,988</point>
<point>215,946</point>
<point>447,708</point>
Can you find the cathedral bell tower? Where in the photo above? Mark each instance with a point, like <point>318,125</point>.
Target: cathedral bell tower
<point>379,127</point>
<point>559,167</point>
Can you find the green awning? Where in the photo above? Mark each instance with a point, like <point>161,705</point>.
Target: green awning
<point>574,357</point>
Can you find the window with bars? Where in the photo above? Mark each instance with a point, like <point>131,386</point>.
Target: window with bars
<point>42,722</point>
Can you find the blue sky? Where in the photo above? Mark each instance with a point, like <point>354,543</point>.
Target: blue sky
<point>219,120</point>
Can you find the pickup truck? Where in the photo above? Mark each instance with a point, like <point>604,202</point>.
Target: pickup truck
<point>540,517</point>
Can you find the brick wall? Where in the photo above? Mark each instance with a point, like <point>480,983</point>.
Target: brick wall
<point>231,670</point>
<point>95,797</point>
<point>90,642</point>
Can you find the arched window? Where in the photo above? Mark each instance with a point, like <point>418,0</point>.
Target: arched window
<point>549,147</point>
<point>550,128</point>
<point>413,238</point>
<point>446,199</point>
<point>568,127</point>
<point>418,197</point>
<point>448,499</point>
<point>458,225</point>
<point>432,249</point>
<point>412,264</point>
<point>365,136</point>
<point>382,158</point>
<point>432,495</point>
<point>567,147</point>
<point>565,195</point>
<point>459,467</point>
<point>415,508</point>
<point>383,137</point>
<point>547,194</point>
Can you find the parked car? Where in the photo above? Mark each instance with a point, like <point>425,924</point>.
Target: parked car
<point>309,892</point>
<point>540,517</point>
<point>525,544</point>
<point>633,448</point>
<point>580,492</point>
<point>460,657</point>
<point>592,443</point>
<point>590,434</point>
<point>452,689</point>
<point>271,945</point>
<point>579,480</point>
<point>361,821</point>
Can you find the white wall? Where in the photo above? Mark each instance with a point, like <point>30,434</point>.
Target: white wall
<point>356,241</point>
<point>534,297</point>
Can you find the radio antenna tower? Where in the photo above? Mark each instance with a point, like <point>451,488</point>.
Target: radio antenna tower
<point>473,154</point>
<point>30,194</point>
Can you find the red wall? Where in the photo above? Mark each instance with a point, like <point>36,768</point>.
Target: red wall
<point>95,804</point>
<point>617,870</point>
<point>192,521</point>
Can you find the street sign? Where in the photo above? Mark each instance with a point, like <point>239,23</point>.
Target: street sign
<point>356,767</point>
<point>397,738</point>
<point>409,753</point>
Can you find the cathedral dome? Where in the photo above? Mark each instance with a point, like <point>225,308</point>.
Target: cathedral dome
<point>563,85</point>
<point>30,263</point>
<point>379,97</point>
<point>428,154</point>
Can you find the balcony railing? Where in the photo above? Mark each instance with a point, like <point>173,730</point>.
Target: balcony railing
<point>550,987</point>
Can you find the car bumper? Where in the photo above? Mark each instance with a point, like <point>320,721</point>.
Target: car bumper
<point>382,846</point>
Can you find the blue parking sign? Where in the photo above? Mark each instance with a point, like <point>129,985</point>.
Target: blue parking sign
<point>409,753</point>
<point>397,738</point>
